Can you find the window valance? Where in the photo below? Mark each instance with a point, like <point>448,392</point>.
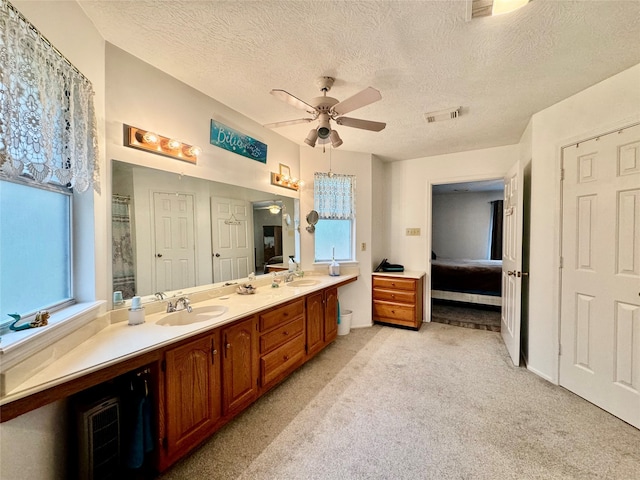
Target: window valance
<point>334,195</point>
<point>47,117</point>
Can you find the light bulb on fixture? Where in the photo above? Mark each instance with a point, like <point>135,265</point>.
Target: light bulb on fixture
<point>274,209</point>
<point>192,151</point>
<point>150,138</point>
<point>173,144</point>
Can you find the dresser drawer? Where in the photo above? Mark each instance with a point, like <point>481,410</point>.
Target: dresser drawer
<point>280,335</point>
<point>281,315</point>
<point>402,296</point>
<point>286,357</point>
<point>393,311</point>
<point>393,283</point>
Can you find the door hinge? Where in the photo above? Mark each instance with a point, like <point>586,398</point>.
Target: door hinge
<point>561,262</point>
<point>163,365</point>
<point>560,349</point>
<point>561,174</point>
<point>164,442</point>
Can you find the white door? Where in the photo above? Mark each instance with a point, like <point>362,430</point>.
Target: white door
<point>174,241</point>
<point>512,262</point>
<point>600,304</point>
<point>231,239</point>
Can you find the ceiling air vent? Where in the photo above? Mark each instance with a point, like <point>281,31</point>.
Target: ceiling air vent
<point>447,114</point>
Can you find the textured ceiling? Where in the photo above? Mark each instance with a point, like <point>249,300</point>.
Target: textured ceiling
<point>422,55</point>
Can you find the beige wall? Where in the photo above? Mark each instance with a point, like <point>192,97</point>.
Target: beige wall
<point>355,296</point>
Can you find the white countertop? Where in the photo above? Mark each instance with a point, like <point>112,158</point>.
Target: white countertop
<point>406,274</point>
<point>120,341</point>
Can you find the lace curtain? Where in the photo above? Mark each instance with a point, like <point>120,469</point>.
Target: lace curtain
<point>334,195</point>
<point>47,118</point>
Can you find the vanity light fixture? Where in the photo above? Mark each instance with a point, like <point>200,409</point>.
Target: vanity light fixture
<point>151,142</point>
<point>284,179</point>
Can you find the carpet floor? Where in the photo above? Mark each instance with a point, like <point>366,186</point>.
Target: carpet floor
<point>442,403</point>
<point>466,315</point>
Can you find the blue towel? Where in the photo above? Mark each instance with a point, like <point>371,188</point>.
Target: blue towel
<point>141,438</point>
<point>338,312</point>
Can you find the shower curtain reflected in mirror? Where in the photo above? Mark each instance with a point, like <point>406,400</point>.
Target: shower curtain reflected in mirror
<point>124,278</point>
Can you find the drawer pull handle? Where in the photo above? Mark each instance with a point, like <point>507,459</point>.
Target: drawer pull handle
<point>286,357</point>
<point>285,333</point>
<point>393,295</point>
<point>228,345</point>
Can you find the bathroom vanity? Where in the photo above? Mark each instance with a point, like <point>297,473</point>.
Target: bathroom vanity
<point>204,369</point>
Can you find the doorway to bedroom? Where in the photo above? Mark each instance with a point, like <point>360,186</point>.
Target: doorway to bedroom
<point>466,256</point>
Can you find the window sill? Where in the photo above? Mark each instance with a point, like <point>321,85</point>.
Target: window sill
<point>15,347</point>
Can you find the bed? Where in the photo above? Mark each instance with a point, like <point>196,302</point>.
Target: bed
<point>470,281</point>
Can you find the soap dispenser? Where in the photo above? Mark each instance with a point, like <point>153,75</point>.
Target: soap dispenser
<point>334,267</point>
<point>292,264</point>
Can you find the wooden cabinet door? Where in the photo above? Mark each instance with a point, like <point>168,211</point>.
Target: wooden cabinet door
<point>193,393</point>
<point>315,323</point>
<point>330,314</point>
<point>239,365</point>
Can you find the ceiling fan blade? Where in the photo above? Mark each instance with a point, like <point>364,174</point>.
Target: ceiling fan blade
<point>291,100</point>
<point>359,123</point>
<point>359,100</point>
<point>288,122</point>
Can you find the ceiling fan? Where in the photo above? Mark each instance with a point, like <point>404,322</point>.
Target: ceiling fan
<point>324,109</point>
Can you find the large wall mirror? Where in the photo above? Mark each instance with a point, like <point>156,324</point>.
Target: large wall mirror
<point>172,232</point>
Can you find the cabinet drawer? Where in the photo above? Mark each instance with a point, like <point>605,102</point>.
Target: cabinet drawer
<point>402,296</point>
<point>275,364</point>
<point>393,311</point>
<point>281,315</point>
<point>280,335</point>
<point>394,283</point>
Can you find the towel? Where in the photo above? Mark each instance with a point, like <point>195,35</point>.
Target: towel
<point>141,434</point>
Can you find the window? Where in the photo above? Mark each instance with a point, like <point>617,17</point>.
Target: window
<point>334,200</point>
<point>48,155</point>
<point>35,254</point>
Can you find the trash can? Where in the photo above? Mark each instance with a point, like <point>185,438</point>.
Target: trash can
<point>344,322</point>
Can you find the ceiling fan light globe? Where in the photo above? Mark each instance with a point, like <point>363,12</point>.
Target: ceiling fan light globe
<point>311,138</point>
<point>336,141</point>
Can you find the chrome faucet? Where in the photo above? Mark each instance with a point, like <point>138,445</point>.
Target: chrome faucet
<point>288,277</point>
<point>173,307</point>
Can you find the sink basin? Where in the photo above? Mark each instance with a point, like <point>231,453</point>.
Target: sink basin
<point>198,314</point>
<point>302,283</point>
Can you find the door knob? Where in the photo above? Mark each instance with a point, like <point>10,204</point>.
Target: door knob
<point>159,255</point>
<point>511,272</point>
<point>216,254</point>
